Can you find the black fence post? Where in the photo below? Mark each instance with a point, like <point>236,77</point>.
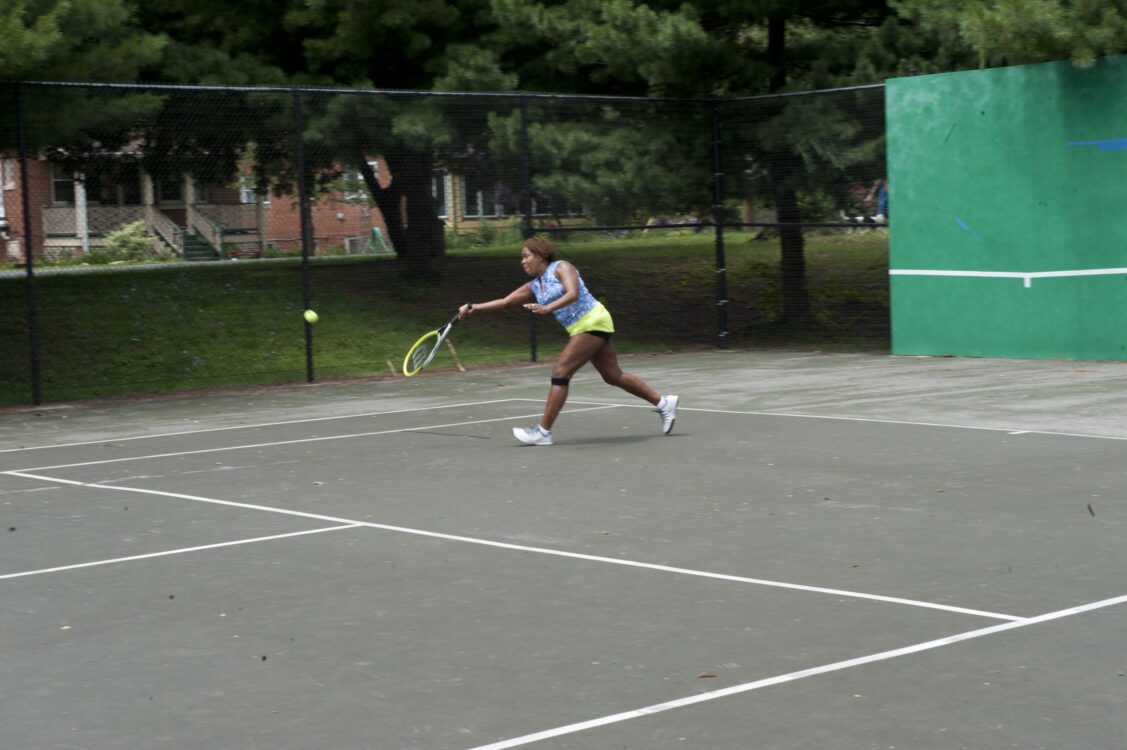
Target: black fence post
<point>28,253</point>
<point>526,208</point>
<point>306,232</point>
<point>718,219</point>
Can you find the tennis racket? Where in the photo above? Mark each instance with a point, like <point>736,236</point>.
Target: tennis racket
<point>422,351</point>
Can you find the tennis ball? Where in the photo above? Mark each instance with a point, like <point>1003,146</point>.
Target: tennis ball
<point>311,317</point>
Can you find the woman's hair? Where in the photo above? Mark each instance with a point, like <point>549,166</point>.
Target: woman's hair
<point>541,247</point>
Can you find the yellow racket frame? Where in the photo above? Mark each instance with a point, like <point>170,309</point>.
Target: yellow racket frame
<point>411,363</point>
<point>412,368</point>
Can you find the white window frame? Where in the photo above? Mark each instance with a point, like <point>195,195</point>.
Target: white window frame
<point>162,200</point>
<point>438,178</point>
<point>248,196</point>
<point>362,195</point>
<point>497,209</point>
<point>57,176</point>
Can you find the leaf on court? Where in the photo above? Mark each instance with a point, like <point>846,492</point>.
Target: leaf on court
<point>705,674</point>
<point>318,483</point>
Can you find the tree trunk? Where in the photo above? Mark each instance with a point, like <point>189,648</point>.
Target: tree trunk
<point>776,49</point>
<point>424,231</point>
<point>796,299</point>
<point>413,227</point>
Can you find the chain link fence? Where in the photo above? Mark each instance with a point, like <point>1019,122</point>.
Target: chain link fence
<point>157,238</point>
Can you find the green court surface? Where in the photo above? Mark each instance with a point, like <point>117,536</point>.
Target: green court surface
<point>829,551</point>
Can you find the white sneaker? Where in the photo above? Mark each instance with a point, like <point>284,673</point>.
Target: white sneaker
<point>532,435</point>
<point>668,414</point>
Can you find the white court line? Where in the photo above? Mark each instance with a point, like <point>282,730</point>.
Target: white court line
<point>874,420</point>
<point>1026,276</point>
<point>180,551</point>
<point>252,426</point>
<point>638,713</point>
<point>421,428</point>
<point>537,550</point>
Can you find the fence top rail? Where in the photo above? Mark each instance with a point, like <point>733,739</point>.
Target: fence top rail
<point>812,92</point>
<point>419,92</point>
<point>343,90</point>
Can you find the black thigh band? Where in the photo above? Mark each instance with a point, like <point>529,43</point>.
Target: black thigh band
<point>561,381</point>
<point>604,335</point>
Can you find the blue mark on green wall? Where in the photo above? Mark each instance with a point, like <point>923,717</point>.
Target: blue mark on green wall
<point>1112,144</point>
<point>963,225</point>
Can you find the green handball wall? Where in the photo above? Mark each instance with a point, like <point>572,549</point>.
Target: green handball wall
<point>1008,206</point>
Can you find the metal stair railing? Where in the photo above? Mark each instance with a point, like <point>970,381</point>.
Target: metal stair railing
<point>167,231</point>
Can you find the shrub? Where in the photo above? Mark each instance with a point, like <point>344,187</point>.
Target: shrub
<point>130,242</point>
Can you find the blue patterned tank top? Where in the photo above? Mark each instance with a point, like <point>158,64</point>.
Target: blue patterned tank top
<point>548,288</point>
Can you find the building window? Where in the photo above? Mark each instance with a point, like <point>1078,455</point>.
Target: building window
<point>438,192</point>
<point>355,189</point>
<point>483,199</point>
<point>8,174</point>
<point>62,187</point>
<point>248,193</point>
<point>129,189</point>
<point>170,190</point>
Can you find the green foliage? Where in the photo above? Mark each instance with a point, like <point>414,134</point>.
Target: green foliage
<point>89,40</point>
<point>688,48</point>
<point>469,67</point>
<point>74,40</point>
<point>487,237</point>
<point>131,240</point>
<point>389,44</point>
<point>598,46</point>
<point>818,205</point>
<point>128,243</point>
<point>616,43</point>
<point>1014,32</point>
<point>621,162</point>
<point>27,41</point>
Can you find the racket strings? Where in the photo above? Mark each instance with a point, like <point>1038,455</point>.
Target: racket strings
<point>419,357</point>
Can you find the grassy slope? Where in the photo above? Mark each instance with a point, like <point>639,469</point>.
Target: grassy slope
<point>180,327</point>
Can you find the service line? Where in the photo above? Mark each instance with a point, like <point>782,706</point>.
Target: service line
<point>180,551</point>
<point>525,548</point>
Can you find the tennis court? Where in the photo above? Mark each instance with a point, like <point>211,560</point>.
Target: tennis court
<point>829,551</point>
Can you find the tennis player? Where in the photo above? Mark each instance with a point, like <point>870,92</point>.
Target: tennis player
<point>557,289</point>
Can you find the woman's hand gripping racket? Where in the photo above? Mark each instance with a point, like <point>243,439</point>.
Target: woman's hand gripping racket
<point>423,350</point>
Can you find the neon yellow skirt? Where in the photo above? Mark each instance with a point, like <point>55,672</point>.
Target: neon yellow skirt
<point>597,319</point>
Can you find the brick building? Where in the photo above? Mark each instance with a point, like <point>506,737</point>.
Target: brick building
<point>71,214</point>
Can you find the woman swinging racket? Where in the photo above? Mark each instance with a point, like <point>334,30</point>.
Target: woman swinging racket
<point>557,289</point>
